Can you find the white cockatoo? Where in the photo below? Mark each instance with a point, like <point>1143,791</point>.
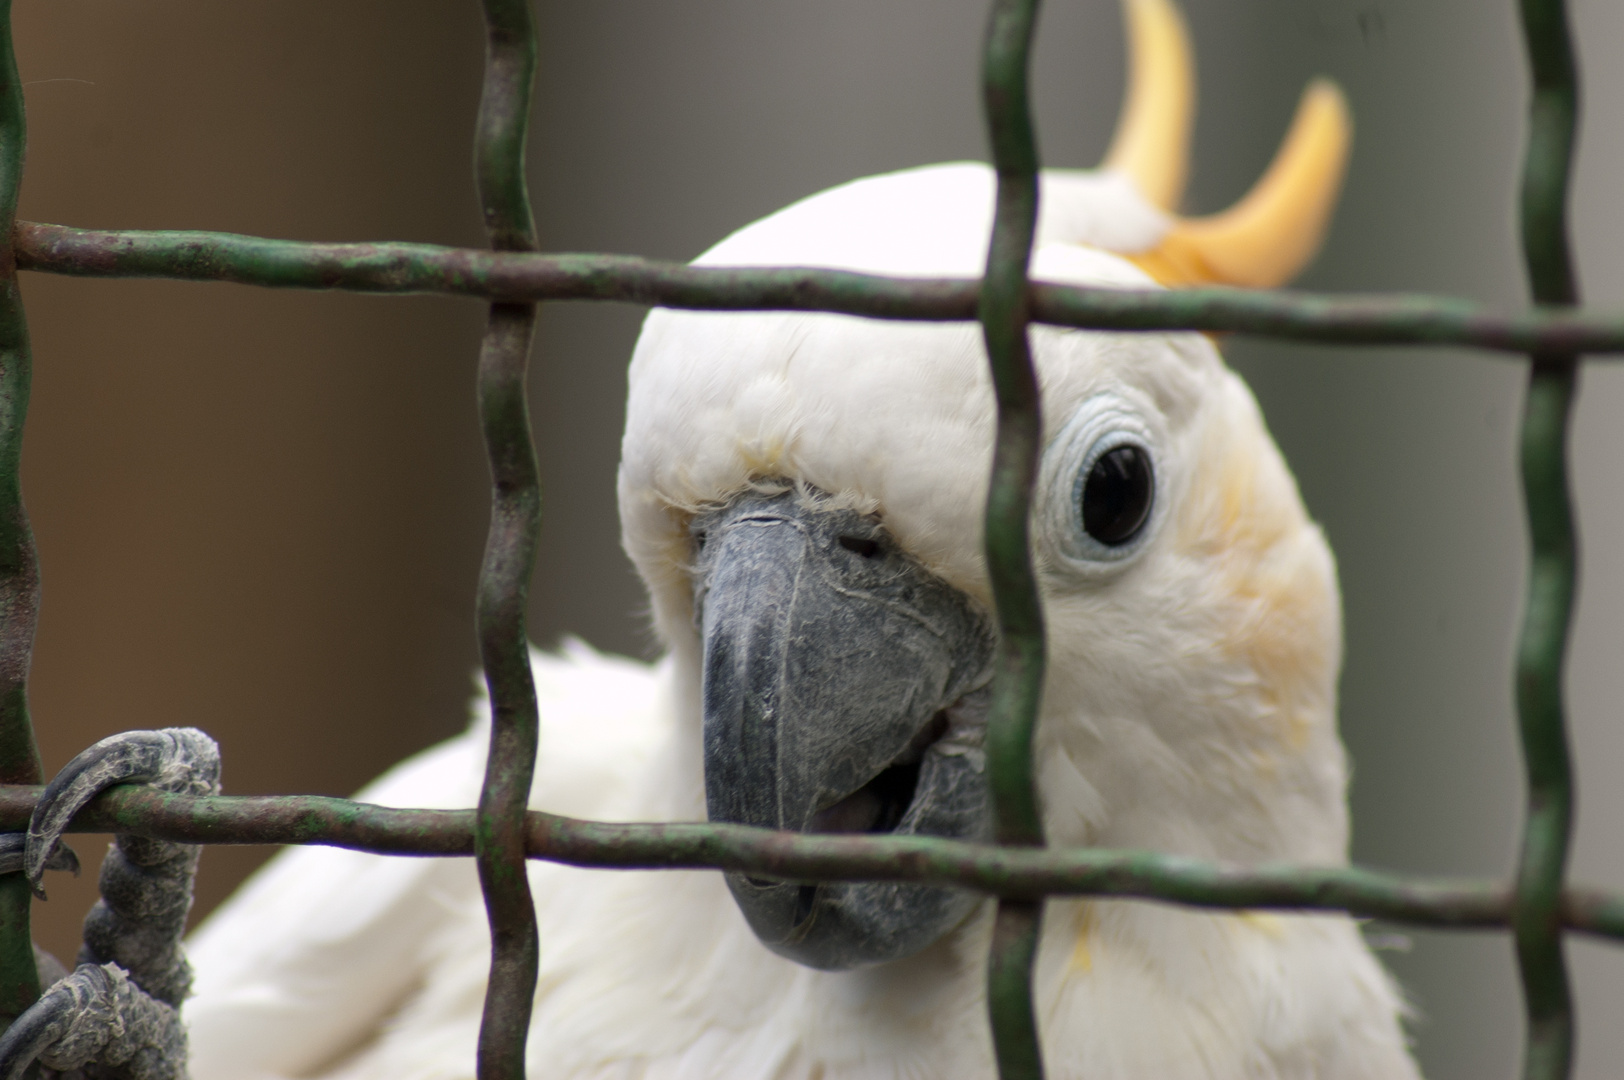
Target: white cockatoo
<point>802,495</point>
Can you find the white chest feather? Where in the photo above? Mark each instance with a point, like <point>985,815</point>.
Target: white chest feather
<point>656,975</point>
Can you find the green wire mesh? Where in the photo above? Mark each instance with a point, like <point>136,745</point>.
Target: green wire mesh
<point>510,550</point>
<point>19,566</point>
<point>502,833</point>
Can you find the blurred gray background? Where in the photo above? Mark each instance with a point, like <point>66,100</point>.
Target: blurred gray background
<point>262,513</point>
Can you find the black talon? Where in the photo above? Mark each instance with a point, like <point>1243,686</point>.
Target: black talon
<point>97,1015</point>
<point>182,760</point>
<point>32,1033</point>
<point>116,1015</point>
<point>62,857</point>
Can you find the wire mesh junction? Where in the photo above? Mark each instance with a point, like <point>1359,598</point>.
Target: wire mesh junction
<point>1536,905</point>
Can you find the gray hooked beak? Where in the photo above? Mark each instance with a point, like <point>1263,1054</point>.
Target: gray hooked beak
<point>843,694</point>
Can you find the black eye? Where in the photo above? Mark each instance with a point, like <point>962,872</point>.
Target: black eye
<point>1116,495</point>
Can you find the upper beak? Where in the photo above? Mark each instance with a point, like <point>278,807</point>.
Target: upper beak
<point>838,680</point>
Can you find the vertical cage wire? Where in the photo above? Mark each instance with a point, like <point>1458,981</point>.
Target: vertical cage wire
<point>19,565</point>
<point>510,550</point>
<point>1553,556</point>
<point>1017,686</point>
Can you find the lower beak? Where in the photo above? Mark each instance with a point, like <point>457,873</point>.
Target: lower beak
<point>841,694</point>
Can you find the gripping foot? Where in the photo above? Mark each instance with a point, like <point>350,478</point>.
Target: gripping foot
<point>97,1021</point>
<point>116,1016</point>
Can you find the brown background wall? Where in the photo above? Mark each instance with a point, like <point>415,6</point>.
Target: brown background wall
<point>261,513</point>
<point>257,512</point>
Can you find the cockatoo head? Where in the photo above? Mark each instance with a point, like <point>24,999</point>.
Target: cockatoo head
<point>803,495</point>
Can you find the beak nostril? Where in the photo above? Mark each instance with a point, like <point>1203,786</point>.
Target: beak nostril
<point>805,897</point>
<point>861,545</point>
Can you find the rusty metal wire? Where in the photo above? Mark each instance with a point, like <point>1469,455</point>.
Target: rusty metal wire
<point>1553,558</point>
<point>19,565</point>
<point>1008,871</point>
<point>510,551</point>
<point>501,834</point>
<point>1017,685</point>
<point>404,269</point>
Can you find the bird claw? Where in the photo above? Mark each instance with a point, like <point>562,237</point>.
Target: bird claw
<point>97,1016</point>
<point>61,857</point>
<point>115,1017</point>
<point>180,760</point>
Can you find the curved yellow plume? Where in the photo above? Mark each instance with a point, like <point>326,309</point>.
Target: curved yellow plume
<point>1273,232</point>
<point>1152,141</point>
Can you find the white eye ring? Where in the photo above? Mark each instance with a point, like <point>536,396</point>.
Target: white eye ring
<point>1101,424</point>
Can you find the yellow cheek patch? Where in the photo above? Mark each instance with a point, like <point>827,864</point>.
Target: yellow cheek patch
<point>1082,953</point>
<point>1246,522</point>
<point>1280,639</point>
<point>1234,509</point>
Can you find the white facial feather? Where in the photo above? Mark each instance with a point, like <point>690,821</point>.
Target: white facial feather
<point>1192,681</point>
<point>1190,702</point>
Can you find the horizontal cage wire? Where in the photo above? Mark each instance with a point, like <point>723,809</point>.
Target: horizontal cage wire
<point>405,269</point>
<point>1536,906</point>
